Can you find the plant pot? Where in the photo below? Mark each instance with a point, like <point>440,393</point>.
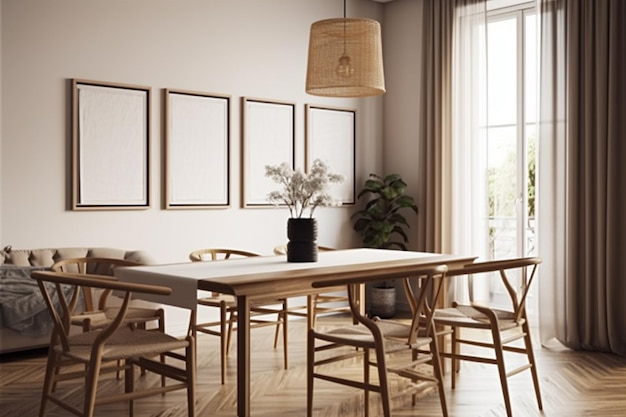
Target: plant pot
<point>383,302</point>
<point>302,240</point>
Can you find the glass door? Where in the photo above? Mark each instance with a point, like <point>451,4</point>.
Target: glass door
<point>511,68</point>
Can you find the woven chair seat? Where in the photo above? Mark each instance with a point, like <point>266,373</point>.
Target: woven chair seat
<point>468,316</point>
<point>125,343</point>
<point>354,333</point>
<point>396,335</point>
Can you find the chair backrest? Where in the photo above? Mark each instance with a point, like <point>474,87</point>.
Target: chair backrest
<point>218,254</point>
<point>430,281</point>
<point>280,250</point>
<point>61,292</point>
<point>95,266</point>
<point>518,291</point>
<point>422,292</point>
<point>215,254</point>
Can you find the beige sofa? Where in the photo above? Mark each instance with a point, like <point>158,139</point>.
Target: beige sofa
<point>23,324</point>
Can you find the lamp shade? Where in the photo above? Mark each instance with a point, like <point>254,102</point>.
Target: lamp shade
<point>345,58</point>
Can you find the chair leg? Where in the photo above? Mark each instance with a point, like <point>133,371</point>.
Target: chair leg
<point>414,355</point>
<point>118,373</point>
<point>314,309</point>
<point>193,330</point>
<point>499,351</point>
<point>190,369</point>
<point>161,328</point>
<point>285,336</point>
<point>310,363</point>
<point>129,385</point>
<point>455,365</point>
<point>280,320</point>
<point>162,358</point>
<point>381,363</point>
<point>437,370</point>
<point>49,384</point>
<point>141,326</point>
<point>91,384</point>
<point>366,380</point>
<point>224,342</point>
<point>53,341</point>
<point>531,359</point>
<point>361,302</point>
<point>232,318</point>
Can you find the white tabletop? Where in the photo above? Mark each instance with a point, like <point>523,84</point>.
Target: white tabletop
<point>273,275</point>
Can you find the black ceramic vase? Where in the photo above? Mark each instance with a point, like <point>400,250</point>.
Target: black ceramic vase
<point>302,240</point>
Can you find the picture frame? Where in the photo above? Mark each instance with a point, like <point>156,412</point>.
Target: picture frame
<point>330,135</point>
<point>110,145</point>
<point>196,149</point>
<point>268,128</point>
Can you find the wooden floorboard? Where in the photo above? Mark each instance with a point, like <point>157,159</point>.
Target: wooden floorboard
<point>574,384</point>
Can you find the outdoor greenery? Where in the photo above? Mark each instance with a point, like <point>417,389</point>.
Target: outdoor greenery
<point>502,180</point>
<point>503,197</point>
<point>380,223</point>
<point>532,157</point>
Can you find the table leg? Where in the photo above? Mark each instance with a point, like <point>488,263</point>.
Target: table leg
<point>243,356</point>
<point>309,311</point>
<point>361,298</point>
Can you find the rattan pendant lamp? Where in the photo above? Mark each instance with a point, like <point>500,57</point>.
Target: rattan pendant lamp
<point>345,58</point>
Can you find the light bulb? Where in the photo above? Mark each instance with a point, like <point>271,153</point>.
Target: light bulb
<point>344,69</point>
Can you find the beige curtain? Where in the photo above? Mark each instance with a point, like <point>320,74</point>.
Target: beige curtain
<point>582,174</point>
<point>435,138</point>
<point>447,44</point>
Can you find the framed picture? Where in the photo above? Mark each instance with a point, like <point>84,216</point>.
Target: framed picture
<point>197,150</point>
<point>110,145</point>
<point>268,139</point>
<point>330,136</point>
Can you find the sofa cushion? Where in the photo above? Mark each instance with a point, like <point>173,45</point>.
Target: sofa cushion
<point>47,256</point>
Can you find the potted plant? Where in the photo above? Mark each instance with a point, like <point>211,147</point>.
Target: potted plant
<point>381,225</point>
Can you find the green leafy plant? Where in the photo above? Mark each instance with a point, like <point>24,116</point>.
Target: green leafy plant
<point>380,223</point>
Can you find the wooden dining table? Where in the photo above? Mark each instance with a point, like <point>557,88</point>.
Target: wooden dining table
<point>254,278</point>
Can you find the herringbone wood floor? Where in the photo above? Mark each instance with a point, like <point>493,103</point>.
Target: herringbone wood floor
<point>573,384</point>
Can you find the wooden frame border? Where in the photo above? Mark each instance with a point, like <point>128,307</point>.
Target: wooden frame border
<point>268,130</point>
<point>196,173</point>
<point>330,135</point>
<point>110,145</point>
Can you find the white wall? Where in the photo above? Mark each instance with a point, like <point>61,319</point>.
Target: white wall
<point>255,48</point>
<point>403,71</point>
<point>402,48</point>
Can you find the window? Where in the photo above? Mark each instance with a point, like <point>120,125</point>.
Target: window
<point>495,103</point>
<point>510,131</point>
<point>511,136</point>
